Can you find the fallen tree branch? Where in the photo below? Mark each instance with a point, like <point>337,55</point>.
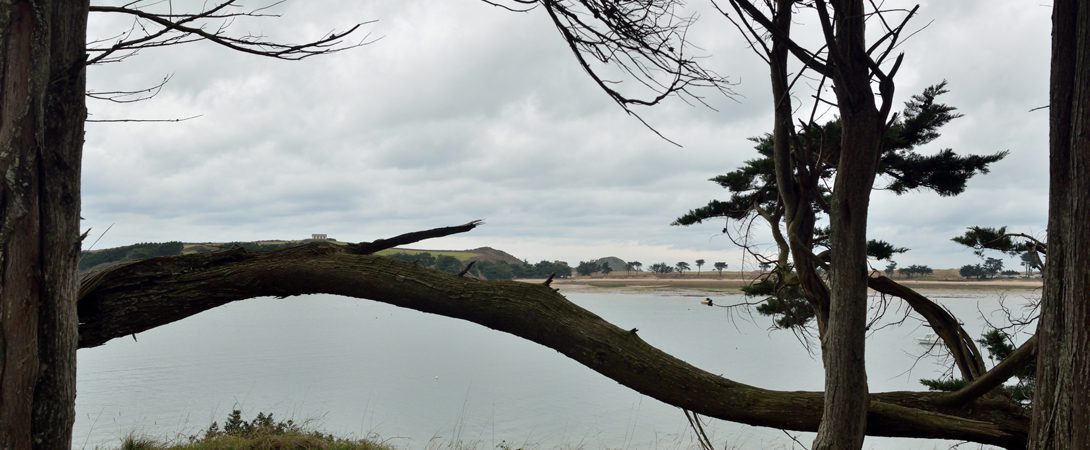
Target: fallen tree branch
<point>136,296</point>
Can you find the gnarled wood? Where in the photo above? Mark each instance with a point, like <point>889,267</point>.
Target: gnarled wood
<point>140,295</point>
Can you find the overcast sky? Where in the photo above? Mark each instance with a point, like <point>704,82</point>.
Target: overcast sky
<point>465,111</point>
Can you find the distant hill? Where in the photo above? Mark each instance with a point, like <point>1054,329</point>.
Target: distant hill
<point>491,254</point>
<point>477,254</point>
<point>615,263</point>
<point>105,257</point>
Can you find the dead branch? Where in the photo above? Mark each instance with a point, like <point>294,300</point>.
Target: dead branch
<point>161,29</point>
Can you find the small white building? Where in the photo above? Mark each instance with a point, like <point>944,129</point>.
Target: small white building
<point>318,237</point>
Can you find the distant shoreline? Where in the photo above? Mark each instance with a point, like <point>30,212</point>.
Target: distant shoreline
<point>735,282</point>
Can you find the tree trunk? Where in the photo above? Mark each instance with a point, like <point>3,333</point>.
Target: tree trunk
<point>41,137</point>
<point>794,192</point>
<point>844,341</point>
<point>1061,404</point>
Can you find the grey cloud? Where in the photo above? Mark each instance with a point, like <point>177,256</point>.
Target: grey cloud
<point>464,111</point>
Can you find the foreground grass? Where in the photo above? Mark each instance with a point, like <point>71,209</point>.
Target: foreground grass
<point>262,433</point>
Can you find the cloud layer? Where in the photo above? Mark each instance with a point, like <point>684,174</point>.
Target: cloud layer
<point>465,111</point>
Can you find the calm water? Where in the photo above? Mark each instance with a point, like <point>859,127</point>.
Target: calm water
<point>356,367</point>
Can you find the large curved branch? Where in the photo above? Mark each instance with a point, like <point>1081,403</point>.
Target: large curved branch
<point>141,295</point>
<point>946,326</point>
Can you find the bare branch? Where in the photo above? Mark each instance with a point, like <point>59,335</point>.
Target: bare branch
<point>143,120</point>
<point>153,29</point>
<point>130,96</point>
<point>367,248</point>
<point>646,40</point>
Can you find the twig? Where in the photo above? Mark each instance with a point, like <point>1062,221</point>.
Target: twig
<point>466,268</point>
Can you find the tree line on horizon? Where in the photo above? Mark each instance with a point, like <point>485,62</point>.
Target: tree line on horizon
<point>91,259</point>
<point>489,270</point>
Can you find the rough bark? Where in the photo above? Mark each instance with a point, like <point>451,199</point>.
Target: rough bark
<point>1061,405</point>
<point>136,296</point>
<point>41,138</point>
<point>795,188</point>
<point>843,345</point>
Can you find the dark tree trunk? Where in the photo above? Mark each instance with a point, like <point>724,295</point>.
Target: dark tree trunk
<point>1061,405</point>
<point>794,192</point>
<point>844,341</point>
<point>41,137</point>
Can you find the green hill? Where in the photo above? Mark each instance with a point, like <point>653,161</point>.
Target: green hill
<point>489,262</point>
<point>615,263</point>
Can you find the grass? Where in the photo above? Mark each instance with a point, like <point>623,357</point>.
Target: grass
<point>262,433</point>
<point>461,256</point>
<point>265,433</point>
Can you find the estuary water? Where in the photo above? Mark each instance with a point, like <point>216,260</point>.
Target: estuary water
<point>360,368</point>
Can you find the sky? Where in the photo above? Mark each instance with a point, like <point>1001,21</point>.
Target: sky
<point>457,110</point>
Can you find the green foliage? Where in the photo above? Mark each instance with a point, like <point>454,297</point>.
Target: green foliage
<point>882,250</point>
<point>491,270</point>
<point>262,424</point>
<point>971,270</point>
<point>997,343</point>
<point>259,247</point>
<point>545,268</point>
<point>682,266</point>
<point>947,385</point>
<point>661,268</point>
<point>983,238</point>
<point>448,264</point>
<point>606,269</point>
<point>423,258</point>
<point>133,442</point>
<point>945,172</point>
<point>999,346</point>
<point>586,268</point>
<point>915,270</point>
<point>990,268</point>
<point>495,270</point>
<point>752,184</point>
<point>262,433</point>
<point>1029,261</point>
<point>890,268</point>
<point>785,304</point>
<point>129,253</point>
<point>720,267</point>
